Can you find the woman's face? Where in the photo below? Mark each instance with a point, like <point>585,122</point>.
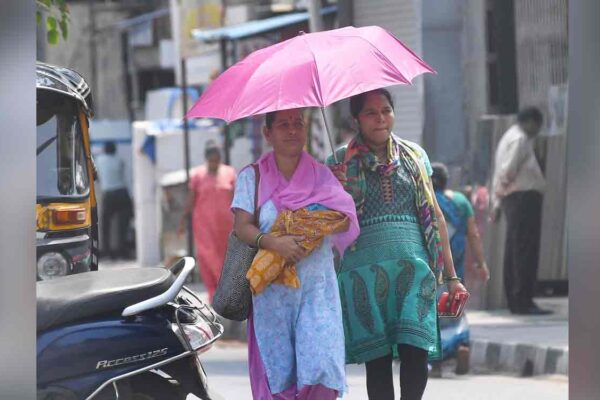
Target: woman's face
<point>287,134</point>
<point>376,119</point>
<point>213,160</point>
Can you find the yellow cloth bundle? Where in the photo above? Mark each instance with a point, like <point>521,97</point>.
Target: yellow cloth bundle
<point>269,267</point>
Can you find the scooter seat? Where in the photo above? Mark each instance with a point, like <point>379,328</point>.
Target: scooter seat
<point>80,296</point>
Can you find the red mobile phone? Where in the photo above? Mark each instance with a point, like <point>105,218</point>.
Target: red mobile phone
<point>455,308</point>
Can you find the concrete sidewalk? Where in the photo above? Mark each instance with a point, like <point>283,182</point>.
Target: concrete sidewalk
<point>519,344</point>
<point>500,342</point>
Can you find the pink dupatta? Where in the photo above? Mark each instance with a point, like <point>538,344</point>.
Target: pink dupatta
<point>312,183</point>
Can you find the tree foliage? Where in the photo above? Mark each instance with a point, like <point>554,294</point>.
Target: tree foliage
<point>54,14</point>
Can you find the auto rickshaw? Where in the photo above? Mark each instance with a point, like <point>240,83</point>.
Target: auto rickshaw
<point>67,219</point>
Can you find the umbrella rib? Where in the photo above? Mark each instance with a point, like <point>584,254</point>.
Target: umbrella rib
<point>240,96</point>
<point>388,61</point>
<point>416,57</point>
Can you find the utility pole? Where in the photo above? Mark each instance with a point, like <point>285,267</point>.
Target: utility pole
<point>186,154</point>
<point>93,52</point>
<point>583,147</point>
<point>315,22</point>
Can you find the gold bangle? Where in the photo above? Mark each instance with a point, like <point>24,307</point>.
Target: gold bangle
<point>452,278</point>
<point>262,235</point>
<point>257,239</point>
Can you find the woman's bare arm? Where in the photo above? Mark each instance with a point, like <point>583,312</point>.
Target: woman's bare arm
<point>286,246</point>
<point>447,252</point>
<point>477,248</point>
<point>475,240</point>
<point>244,227</point>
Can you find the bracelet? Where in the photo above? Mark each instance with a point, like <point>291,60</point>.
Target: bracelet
<point>452,278</point>
<point>257,239</point>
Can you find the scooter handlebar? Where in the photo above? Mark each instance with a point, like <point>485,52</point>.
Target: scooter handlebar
<point>182,269</point>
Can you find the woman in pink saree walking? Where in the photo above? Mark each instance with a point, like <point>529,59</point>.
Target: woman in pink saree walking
<point>210,194</point>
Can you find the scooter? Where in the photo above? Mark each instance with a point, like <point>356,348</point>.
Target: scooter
<point>123,333</point>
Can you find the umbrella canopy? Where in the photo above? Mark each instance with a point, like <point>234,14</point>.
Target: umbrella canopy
<point>310,70</point>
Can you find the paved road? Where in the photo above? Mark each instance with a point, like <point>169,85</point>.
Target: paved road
<point>226,366</point>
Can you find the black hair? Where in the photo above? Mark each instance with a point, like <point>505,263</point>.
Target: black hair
<point>530,114</point>
<point>110,148</point>
<point>211,148</point>
<point>439,178</point>
<point>270,118</point>
<point>358,101</point>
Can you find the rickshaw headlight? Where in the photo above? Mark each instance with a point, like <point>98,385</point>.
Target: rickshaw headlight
<point>52,265</point>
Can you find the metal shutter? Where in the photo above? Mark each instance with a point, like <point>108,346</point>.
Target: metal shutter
<point>403,19</point>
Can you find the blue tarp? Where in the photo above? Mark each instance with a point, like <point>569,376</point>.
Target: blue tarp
<point>252,28</point>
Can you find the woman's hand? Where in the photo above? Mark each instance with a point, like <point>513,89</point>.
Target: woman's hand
<point>454,287</point>
<point>339,170</point>
<point>287,247</point>
<point>484,272</point>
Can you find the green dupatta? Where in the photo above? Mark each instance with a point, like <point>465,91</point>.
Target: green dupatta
<point>359,157</point>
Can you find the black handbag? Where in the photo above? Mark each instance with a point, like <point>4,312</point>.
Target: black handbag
<point>233,298</point>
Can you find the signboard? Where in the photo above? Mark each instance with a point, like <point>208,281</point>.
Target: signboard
<point>187,15</point>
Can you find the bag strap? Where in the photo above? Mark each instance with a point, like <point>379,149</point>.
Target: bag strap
<point>256,182</point>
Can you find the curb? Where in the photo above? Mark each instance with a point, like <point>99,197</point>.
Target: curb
<point>486,357</point>
<point>521,359</point>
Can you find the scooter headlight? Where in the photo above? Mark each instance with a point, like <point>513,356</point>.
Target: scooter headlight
<point>52,265</point>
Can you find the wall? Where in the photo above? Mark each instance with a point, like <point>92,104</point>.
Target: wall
<point>542,61</point>
<point>455,98</point>
<point>542,56</point>
<point>474,78</point>
<point>444,128</point>
<point>403,19</point>
<point>109,93</point>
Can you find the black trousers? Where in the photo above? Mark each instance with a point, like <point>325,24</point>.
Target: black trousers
<point>523,212</point>
<point>413,375</point>
<point>115,202</point>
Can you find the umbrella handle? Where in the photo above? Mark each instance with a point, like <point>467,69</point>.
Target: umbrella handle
<point>329,135</point>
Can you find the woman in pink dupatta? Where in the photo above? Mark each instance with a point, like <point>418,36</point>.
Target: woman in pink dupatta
<point>211,191</point>
<point>295,335</point>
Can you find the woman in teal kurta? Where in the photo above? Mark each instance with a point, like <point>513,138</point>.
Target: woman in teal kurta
<point>388,277</point>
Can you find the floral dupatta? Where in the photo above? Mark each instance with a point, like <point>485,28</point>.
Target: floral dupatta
<point>359,157</point>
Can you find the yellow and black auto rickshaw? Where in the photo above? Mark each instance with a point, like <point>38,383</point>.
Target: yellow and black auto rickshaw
<point>67,222</point>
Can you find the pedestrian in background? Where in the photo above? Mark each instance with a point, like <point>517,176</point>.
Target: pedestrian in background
<point>388,276</point>
<point>462,231</point>
<point>115,200</point>
<point>460,220</point>
<point>210,194</point>
<point>518,187</point>
<point>295,333</point>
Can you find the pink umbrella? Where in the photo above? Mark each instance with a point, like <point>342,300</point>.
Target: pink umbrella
<point>310,70</point>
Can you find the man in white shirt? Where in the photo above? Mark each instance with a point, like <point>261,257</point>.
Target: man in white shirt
<point>518,187</point>
<point>115,199</point>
